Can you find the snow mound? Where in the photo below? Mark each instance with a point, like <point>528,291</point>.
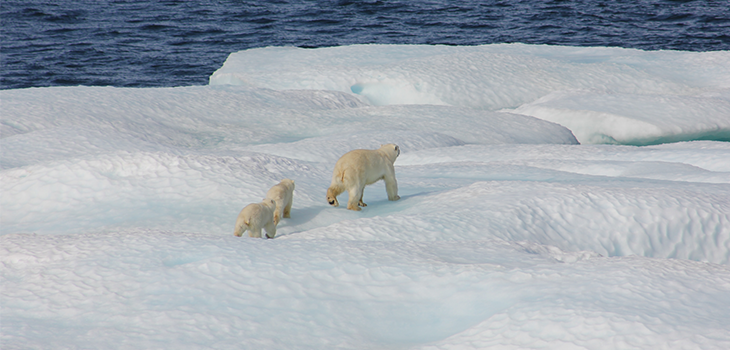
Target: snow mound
<point>627,119</point>
<point>666,222</point>
<point>485,77</point>
<point>624,96</point>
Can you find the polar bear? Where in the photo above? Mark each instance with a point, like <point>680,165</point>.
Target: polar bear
<point>256,216</point>
<point>361,167</point>
<point>282,194</point>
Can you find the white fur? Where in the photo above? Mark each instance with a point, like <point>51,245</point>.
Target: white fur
<point>361,167</point>
<point>256,216</point>
<point>282,194</point>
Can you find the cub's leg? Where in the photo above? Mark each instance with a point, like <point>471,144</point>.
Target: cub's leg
<point>254,232</point>
<point>240,230</point>
<point>287,210</point>
<point>270,230</point>
<point>241,226</point>
<point>277,214</point>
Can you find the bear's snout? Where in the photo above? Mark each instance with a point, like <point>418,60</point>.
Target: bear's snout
<point>332,202</point>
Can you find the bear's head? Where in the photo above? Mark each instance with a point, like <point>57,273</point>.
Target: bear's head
<point>391,149</point>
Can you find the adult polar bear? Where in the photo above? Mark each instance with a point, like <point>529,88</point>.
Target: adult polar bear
<point>361,167</point>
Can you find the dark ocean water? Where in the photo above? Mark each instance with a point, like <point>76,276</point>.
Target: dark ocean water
<point>179,43</point>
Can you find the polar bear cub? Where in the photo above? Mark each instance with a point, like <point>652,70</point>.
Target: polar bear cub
<point>282,194</point>
<point>361,167</point>
<point>256,216</point>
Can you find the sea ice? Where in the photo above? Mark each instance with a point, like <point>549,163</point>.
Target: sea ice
<point>118,205</point>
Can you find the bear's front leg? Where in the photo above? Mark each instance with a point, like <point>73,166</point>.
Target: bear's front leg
<point>391,186</point>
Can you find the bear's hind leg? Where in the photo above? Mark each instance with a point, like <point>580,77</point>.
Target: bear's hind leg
<point>361,203</point>
<point>240,230</point>
<point>355,194</point>
<point>332,193</point>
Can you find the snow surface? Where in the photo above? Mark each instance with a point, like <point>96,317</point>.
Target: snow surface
<point>118,205</point>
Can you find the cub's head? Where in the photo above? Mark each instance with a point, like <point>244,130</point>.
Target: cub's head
<point>391,150</point>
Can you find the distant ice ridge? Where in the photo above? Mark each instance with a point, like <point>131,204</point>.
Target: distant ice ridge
<point>603,95</point>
